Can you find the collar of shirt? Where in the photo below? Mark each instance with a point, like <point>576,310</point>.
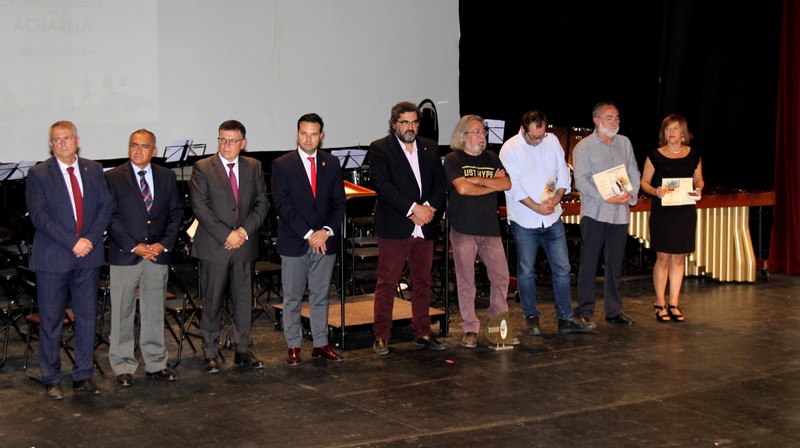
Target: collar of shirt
<point>306,164</point>
<point>148,176</point>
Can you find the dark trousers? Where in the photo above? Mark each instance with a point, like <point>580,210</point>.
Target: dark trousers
<point>216,279</point>
<point>610,240</point>
<point>52,291</point>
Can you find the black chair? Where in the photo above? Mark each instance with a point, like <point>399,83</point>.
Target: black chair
<point>16,241</point>
<point>184,310</point>
<point>361,246</point>
<point>267,281</point>
<point>27,278</point>
<point>14,305</point>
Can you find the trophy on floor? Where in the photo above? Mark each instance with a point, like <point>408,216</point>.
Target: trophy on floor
<point>498,332</point>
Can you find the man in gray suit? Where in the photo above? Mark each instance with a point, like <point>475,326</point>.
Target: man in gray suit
<point>229,200</point>
<point>143,229</point>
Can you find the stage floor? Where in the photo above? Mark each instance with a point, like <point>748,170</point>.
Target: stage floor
<point>727,377</point>
<point>359,316</point>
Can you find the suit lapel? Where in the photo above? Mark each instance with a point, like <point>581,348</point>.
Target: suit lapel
<point>298,169</point>
<point>57,179</point>
<point>220,171</point>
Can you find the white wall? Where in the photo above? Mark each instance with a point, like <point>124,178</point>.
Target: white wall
<point>181,67</point>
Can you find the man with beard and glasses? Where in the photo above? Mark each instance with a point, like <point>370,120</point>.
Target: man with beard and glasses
<point>409,179</point>
<point>475,177</point>
<point>604,222</point>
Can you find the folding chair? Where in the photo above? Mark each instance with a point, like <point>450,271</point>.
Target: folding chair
<point>184,310</point>
<point>267,281</point>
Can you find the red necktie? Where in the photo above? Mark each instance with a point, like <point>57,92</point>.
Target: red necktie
<point>76,195</point>
<point>313,176</point>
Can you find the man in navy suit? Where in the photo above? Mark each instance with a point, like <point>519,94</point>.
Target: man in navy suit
<point>144,228</point>
<point>229,200</point>
<point>69,205</point>
<point>409,179</point>
<point>308,193</point>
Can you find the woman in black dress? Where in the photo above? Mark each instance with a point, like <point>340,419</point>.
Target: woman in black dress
<point>672,228</point>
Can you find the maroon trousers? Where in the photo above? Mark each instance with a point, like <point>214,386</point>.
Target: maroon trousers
<point>392,257</point>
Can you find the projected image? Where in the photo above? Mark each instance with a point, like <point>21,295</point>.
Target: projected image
<point>93,61</point>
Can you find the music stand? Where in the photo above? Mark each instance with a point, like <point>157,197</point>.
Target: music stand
<point>183,154</point>
<point>496,129</point>
<point>350,159</point>
<point>15,171</point>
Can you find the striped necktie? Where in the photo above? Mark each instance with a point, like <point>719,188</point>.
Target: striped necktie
<point>146,194</point>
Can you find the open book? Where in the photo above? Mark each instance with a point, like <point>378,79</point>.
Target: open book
<point>678,191</point>
<point>612,181</point>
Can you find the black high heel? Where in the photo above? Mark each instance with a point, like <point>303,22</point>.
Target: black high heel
<point>676,315</point>
<point>661,317</point>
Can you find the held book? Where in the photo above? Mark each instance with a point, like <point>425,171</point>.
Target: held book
<point>678,191</point>
<point>612,181</point>
<point>549,190</point>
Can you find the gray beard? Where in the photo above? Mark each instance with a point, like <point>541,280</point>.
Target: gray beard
<point>407,137</point>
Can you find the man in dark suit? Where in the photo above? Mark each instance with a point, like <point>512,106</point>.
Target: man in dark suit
<point>229,200</point>
<point>409,179</point>
<point>144,228</point>
<point>69,206</point>
<point>308,193</point>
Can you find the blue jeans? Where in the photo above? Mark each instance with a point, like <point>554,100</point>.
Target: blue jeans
<point>553,240</point>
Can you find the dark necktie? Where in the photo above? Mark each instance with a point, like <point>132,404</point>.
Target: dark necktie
<point>146,194</point>
<point>313,176</point>
<point>234,187</point>
<point>78,198</point>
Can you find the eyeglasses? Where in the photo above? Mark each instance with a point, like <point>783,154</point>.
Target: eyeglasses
<point>536,138</point>
<point>477,132</point>
<point>230,141</point>
<point>407,123</point>
<point>136,146</point>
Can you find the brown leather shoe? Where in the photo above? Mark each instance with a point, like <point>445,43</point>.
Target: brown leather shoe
<point>380,347</point>
<point>327,353</point>
<point>293,358</point>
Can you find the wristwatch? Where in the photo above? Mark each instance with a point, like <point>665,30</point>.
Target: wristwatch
<point>330,232</point>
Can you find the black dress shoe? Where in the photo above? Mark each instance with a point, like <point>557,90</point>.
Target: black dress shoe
<point>327,353</point>
<point>125,380</point>
<point>163,374</point>
<point>429,342</point>
<point>211,366</point>
<point>247,360</point>
<point>54,391</point>
<point>621,319</point>
<point>86,386</point>
<point>573,324</point>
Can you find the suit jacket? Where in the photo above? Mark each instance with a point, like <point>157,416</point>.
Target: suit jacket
<point>397,187</point>
<point>298,210</point>
<point>50,208</point>
<point>215,209</point>
<point>131,224</point>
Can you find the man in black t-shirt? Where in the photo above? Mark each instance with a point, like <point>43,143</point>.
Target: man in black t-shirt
<point>474,177</point>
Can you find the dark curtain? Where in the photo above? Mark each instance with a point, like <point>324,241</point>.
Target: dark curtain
<point>711,61</point>
<point>784,253</point>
